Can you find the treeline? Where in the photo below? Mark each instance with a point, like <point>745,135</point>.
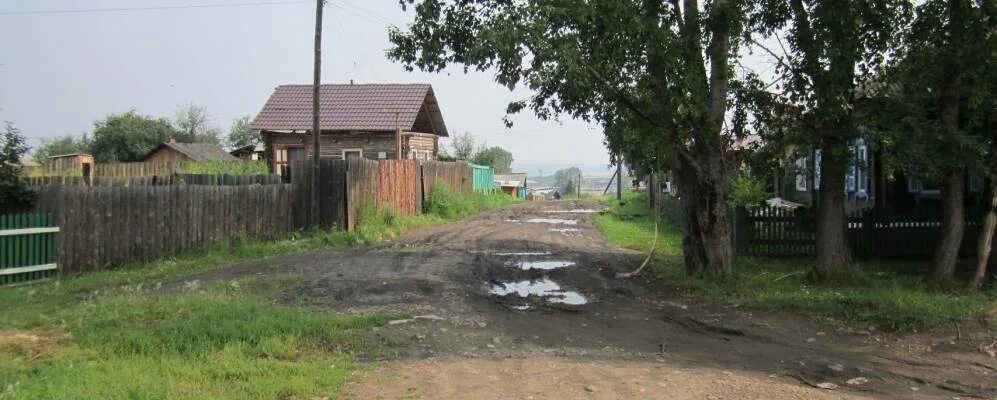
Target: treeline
<point>673,85</point>
<point>129,136</point>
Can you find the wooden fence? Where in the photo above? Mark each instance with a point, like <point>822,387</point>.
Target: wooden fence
<point>347,186</point>
<point>156,180</point>
<point>104,226</point>
<point>771,231</point>
<point>28,248</point>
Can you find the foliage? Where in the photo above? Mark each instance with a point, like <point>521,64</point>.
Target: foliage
<point>15,196</point>
<point>888,296</point>
<point>464,146</point>
<point>129,137</point>
<point>194,125</point>
<point>67,144</point>
<point>746,191</point>
<point>567,180</point>
<point>227,168</point>
<point>446,203</point>
<point>496,157</point>
<point>241,134</point>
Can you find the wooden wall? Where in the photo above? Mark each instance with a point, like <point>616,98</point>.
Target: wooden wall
<point>372,143</point>
<point>103,226</point>
<point>166,154</point>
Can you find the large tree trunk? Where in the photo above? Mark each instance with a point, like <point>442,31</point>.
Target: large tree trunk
<point>707,245</point>
<point>833,256</point>
<point>953,222</point>
<point>986,241</point>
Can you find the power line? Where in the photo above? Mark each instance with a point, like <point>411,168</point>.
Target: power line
<point>153,8</point>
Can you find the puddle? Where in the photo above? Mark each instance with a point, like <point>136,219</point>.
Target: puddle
<point>543,265</point>
<point>582,211</point>
<point>536,253</point>
<point>556,221</point>
<point>546,289</point>
<point>564,230</point>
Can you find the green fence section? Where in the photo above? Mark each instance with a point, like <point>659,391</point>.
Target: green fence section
<point>484,178</point>
<point>29,248</point>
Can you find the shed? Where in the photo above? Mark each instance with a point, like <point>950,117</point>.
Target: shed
<point>251,152</point>
<point>177,152</point>
<point>513,184</point>
<point>70,164</point>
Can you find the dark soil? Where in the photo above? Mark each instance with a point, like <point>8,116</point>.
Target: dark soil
<point>471,295</point>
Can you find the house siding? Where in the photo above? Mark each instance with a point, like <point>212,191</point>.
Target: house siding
<point>372,144</point>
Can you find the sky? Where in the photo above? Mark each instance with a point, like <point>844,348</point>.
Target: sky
<point>61,72</point>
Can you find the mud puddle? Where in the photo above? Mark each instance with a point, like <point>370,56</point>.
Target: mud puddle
<point>554,221</point>
<point>581,211</point>
<point>540,265</point>
<point>541,290</point>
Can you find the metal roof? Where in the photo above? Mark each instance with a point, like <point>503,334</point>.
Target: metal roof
<point>349,107</point>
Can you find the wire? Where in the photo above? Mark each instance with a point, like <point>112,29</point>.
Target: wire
<point>154,8</point>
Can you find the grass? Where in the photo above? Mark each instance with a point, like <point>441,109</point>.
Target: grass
<point>109,335</point>
<point>887,294</point>
<point>227,167</point>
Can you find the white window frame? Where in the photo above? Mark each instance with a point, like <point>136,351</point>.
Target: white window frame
<point>817,158</point>
<point>343,154</point>
<point>801,174</point>
<point>862,169</point>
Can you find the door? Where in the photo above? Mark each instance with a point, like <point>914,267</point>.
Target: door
<point>352,154</point>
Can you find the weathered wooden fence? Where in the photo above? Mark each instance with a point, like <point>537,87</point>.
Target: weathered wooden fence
<point>28,248</point>
<point>104,226</point>
<point>156,180</point>
<point>348,186</point>
<point>771,231</point>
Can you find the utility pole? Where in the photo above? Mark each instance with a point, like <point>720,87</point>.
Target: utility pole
<point>619,181</point>
<point>316,130</point>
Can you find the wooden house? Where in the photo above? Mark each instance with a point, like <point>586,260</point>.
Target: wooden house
<point>373,121</point>
<point>512,184</point>
<point>173,152</point>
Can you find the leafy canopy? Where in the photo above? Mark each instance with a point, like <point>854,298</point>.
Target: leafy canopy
<point>15,196</point>
<point>129,137</point>
<point>496,157</point>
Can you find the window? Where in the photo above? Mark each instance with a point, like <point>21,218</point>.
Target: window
<point>850,179</point>
<point>352,154</point>
<point>862,169</point>
<point>284,156</point>
<point>801,174</point>
<point>975,183</point>
<point>817,155</point>
<point>382,155</point>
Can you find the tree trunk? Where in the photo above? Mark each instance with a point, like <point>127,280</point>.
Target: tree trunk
<point>953,222</point>
<point>986,240</point>
<point>707,245</point>
<point>833,257</point>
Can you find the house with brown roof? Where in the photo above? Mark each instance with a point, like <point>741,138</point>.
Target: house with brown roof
<point>373,121</point>
<point>178,152</point>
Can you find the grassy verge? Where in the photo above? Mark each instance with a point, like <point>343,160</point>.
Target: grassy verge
<point>105,335</point>
<point>888,295</point>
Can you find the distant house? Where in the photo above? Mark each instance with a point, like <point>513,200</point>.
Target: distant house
<point>250,152</point>
<point>512,184</point>
<point>71,163</point>
<point>178,152</point>
<point>373,121</point>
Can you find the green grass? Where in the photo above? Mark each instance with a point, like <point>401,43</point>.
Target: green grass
<point>227,167</point>
<point>887,295</point>
<point>109,335</point>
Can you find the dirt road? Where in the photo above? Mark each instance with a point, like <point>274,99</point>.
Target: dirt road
<point>523,302</point>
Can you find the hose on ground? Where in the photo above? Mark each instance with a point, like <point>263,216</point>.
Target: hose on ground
<point>654,245</point>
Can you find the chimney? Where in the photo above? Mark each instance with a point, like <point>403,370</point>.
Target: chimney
<point>351,81</point>
<point>173,141</point>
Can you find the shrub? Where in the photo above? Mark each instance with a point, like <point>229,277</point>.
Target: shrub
<point>227,168</point>
<point>748,192</point>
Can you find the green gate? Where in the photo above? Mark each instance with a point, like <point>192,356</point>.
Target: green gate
<point>29,248</point>
<point>484,178</point>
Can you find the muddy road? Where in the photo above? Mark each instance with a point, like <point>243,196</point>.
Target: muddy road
<point>533,287</point>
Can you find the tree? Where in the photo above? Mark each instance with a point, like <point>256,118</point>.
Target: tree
<point>567,179</point>
<point>193,123</point>
<point>129,137</point>
<point>15,196</point>
<point>638,67</point>
<point>241,134</point>
<point>496,157</point>
<point>67,144</point>
<point>938,93</point>
<point>832,46</point>
<point>464,146</point>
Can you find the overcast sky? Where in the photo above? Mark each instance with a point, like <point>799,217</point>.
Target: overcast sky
<point>60,72</point>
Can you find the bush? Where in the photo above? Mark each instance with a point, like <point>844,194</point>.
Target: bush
<point>446,203</point>
<point>748,192</point>
<point>227,168</point>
